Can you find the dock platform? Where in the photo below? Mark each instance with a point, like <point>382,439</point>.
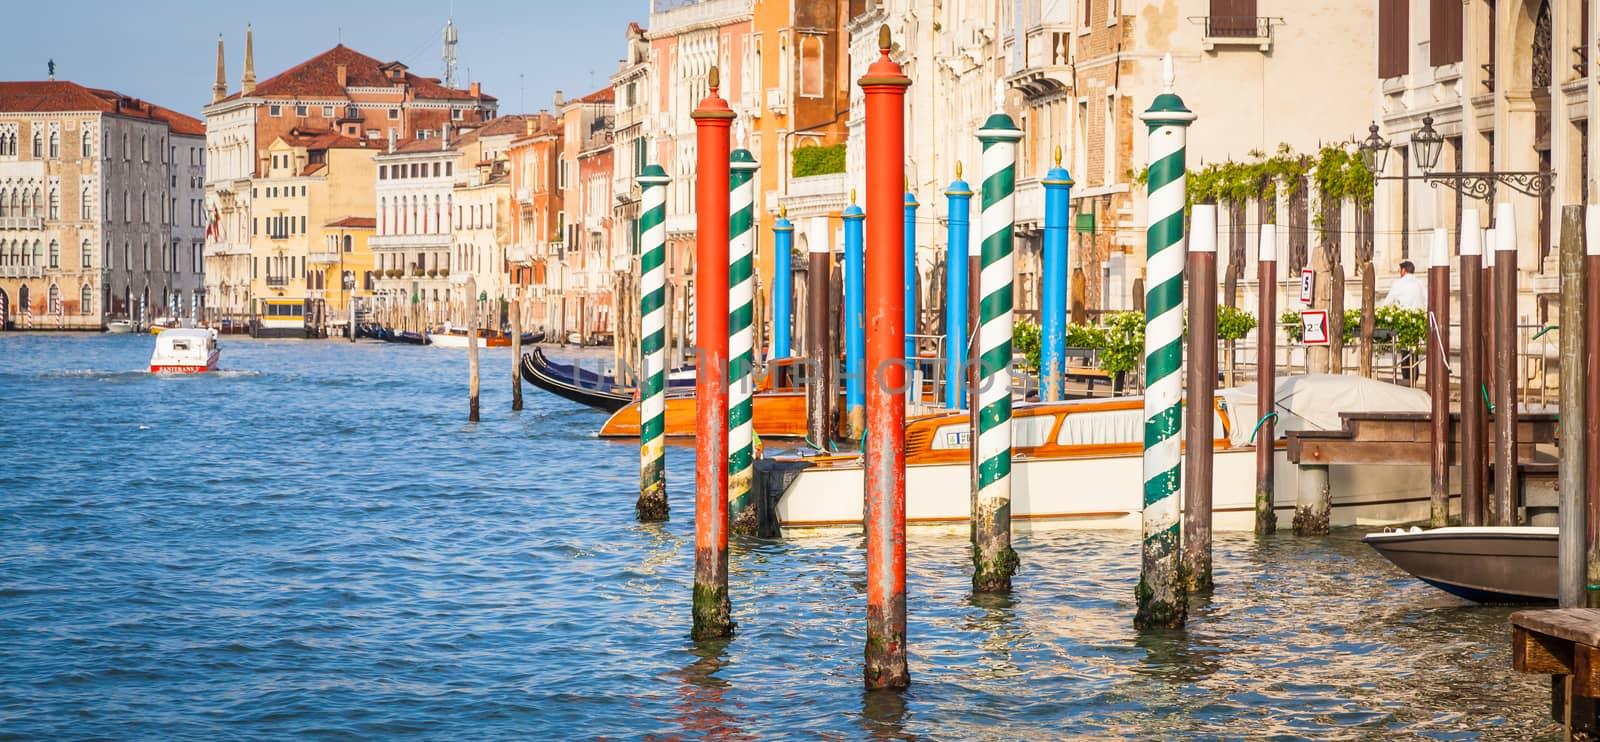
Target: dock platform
<point>1563,643</point>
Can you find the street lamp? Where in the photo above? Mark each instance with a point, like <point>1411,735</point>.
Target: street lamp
<point>1427,144</point>
<point>1374,150</point>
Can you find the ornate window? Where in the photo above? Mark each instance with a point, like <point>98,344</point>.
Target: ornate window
<point>55,254</point>
<point>55,143</point>
<point>38,143</point>
<point>55,204</point>
<point>86,255</point>
<point>85,300</point>
<point>55,299</point>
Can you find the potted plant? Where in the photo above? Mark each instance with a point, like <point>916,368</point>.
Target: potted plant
<point>443,272</point>
<point>433,272</point>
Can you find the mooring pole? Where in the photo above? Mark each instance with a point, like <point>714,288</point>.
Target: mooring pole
<point>1473,412</point>
<point>652,505</point>
<point>884,87</point>
<point>1591,409</point>
<point>974,373</point>
<point>1487,388</point>
<point>959,197</point>
<point>741,340</point>
<point>516,350</point>
<point>1161,595</point>
<point>1505,366</point>
<point>1053,305</point>
<point>993,559</point>
<point>472,349</point>
<point>1438,345</point>
<point>782,285</point>
<point>855,350</point>
<point>1266,380</point>
<point>911,282</point>
<point>820,394</point>
<point>1572,561</point>
<point>1200,408</point>
<point>713,611</point>
<point>350,298</point>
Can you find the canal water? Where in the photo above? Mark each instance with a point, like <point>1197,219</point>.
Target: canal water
<point>314,542</point>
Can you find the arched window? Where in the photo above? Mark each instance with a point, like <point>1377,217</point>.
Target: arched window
<point>86,255</point>
<point>83,206</point>
<point>55,299</point>
<point>85,300</point>
<point>55,204</point>
<point>383,215</point>
<point>4,200</point>
<point>55,254</point>
<point>16,202</point>
<point>87,144</point>
<point>438,218</point>
<point>38,143</point>
<point>55,144</point>
<point>38,202</point>
<point>349,243</point>
<point>38,253</point>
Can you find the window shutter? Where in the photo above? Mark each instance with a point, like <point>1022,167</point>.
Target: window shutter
<point>1233,18</point>
<point>1394,35</point>
<point>1444,32</point>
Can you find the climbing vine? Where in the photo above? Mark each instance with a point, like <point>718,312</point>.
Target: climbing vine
<point>1336,168</point>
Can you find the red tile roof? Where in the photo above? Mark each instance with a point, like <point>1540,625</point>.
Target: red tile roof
<point>603,95</point>
<point>318,77</point>
<point>326,140</point>
<point>60,96</point>
<point>515,124</point>
<point>355,222</point>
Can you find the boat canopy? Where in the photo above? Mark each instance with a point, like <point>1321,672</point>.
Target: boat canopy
<point>1314,401</point>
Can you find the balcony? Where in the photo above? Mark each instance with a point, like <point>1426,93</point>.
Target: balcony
<point>1047,62</point>
<point>525,195</point>
<point>413,241</point>
<point>681,223</point>
<point>322,258</point>
<point>1029,204</point>
<point>277,281</point>
<point>21,271</point>
<point>22,222</point>
<point>1236,30</point>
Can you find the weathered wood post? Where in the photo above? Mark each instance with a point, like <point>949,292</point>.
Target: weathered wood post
<point>884,87</point>
<point>472,348</point>
<point>652,505</point>
<point>713,610</point>
<point>782,285</point>
<point>820,394</point>
<point>1437,342</point>
<point>1505,362</point>
<point>1053,307</point>
<point>1487,387</point>
<point>1369,315</point>
<point>993,559</point>
<point>855,350</point>
<point>1199,410</point>
<point>1266,380</point>
<point>1572,473</point>
<point>1473,411</point>
<point>1161,595</point>
<point>1591,410</point>
<point>741,340</point>
<point>516,350</point>
<point>958,195</point>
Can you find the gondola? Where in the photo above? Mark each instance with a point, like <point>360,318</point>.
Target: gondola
<point>577,384</point>
<point>404,338</point>
<point>532,338</point>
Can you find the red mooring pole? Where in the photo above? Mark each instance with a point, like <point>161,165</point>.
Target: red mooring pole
<point>885,88</point>
<point>713,612</point>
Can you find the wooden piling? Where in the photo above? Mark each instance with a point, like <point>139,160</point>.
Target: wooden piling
<point>516,354</point>
<point>1505,362</point>
<point>1473,412</point>
<point>884,87</point>
<point>472,349</point>
<point>1573,469</point>
<point>1437,342</point>
<point>1266,380</point>
<point>820,395</point>
<point>1199,409</point>
<point>713,610</point>
<point>1591,411</point>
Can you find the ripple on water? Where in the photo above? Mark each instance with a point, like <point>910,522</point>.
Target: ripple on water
<point>316,543</point>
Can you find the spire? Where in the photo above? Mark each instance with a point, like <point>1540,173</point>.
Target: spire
<point>247,84</point>
<point>219,89</point>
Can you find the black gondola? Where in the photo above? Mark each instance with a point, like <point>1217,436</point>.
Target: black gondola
<point>572,382</point>
<point>404,338</point>
<point>532,338</point>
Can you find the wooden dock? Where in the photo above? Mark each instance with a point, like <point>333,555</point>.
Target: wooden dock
<point>1563,643</point>
<point>1401,438</point>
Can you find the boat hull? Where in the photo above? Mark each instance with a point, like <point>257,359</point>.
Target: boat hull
<point>570,382</point>
<point>119,328</point>
<point>1098,492</point>
<point>174,368</point>
<point>774,415</point>
<point>1481,564</point>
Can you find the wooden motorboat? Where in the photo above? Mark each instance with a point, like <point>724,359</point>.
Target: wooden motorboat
<point>456,337</point>
<point>1480,563</point>
<point>1079,464</point>
<point>185,351</point>
<point>778,407</point>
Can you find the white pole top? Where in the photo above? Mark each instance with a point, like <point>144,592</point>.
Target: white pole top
<point>1203,228</point>
<point>817,235</point>
<point>1471,233</point>
<point>1488,243</point>
<point>1269,244</point>
<point>1591,228</point>
<point>1440,256</point>
<point>1505,227</point>
<point>1168,74</point>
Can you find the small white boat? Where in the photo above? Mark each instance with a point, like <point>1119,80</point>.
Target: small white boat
<point>456,337</point>
<point>120,327</point>
<point>1079,465</point>
<point>185,351</point>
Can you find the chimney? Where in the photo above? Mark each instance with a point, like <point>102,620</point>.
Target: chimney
<point>475,89</point>
<point>391,140</point>
<point>529,123</point>
<point>561,100</point>
<point>247,84</point>
<point>343,73</point>
<point>219,90</point>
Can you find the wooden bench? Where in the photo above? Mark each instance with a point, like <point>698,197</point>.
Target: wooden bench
<point>1563,643</point>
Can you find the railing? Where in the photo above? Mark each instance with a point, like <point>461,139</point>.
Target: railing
<point>277,281</point>
<point>1238,27</point>
<point>1030,201</point>
<point>391,241</point>
<point>832,184</point>
<point>21,222</point>
<point>21,271</point>
<point>322,258</point>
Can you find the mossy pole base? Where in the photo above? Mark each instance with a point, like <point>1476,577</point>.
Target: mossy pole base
<point>472,349</point>
<point>992,575</point>
<point>652,506</point>
<point>1313,507</point>
<point>883,298</point>
<point>713,611</point>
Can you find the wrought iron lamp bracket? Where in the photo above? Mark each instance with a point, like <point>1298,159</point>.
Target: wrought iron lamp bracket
<point>1481,185</point>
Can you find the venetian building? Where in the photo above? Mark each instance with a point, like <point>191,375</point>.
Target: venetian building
<point>415,201</point>
<point>592,248</point>
<point>482,239</point>
<point>91,210</point>
<point>1510,87</point>
<point>536,208</point>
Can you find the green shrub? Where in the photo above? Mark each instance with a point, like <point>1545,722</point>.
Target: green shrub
<point>1234,323</point>
<point>818,161</point>
<point>1025,341</point>
<point>1123,349</point>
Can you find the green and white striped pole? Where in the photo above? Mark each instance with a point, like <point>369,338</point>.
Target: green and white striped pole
<point>993,560</point>
<point>741,353</point>
<point>1162,597</point>
<point>653,345</point>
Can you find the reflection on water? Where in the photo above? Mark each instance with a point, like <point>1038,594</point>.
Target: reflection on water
<point>318,544</point>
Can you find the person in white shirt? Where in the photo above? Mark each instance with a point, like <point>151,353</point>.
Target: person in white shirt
<point>1409,291</point>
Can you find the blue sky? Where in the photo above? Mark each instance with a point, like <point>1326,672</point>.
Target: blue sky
<point>166,52</point>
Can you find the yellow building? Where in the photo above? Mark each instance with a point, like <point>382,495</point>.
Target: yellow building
<point>311,185</point>
<point>346,264</point>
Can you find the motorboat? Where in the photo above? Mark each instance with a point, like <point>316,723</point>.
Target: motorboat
<point>1484,564</point>
<point>456,337</point>
<point>777,406</point>
<point>162,325</point>
<point>120,327</point>
<point>185,351</point>
<point>1079,464</point>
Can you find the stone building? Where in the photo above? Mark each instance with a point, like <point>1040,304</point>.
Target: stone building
<point>585,176</point>
<point>86,207</point>
<point>536,229</point>
<point>416,219</point>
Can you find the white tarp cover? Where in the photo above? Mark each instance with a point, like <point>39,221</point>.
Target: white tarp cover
<point>1314,401</point>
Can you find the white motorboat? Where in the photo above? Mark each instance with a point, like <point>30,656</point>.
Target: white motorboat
<point>120,327</point>
<point>1079,465</point>
<point>185,351</point>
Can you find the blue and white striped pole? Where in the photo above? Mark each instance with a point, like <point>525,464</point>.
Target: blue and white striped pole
<point>957,233</point>
<point>1053,308</point>
<point>855,336</point>
<point>782,285</point>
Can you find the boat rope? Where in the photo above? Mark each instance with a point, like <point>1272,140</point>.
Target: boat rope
<point>1259,423</point>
